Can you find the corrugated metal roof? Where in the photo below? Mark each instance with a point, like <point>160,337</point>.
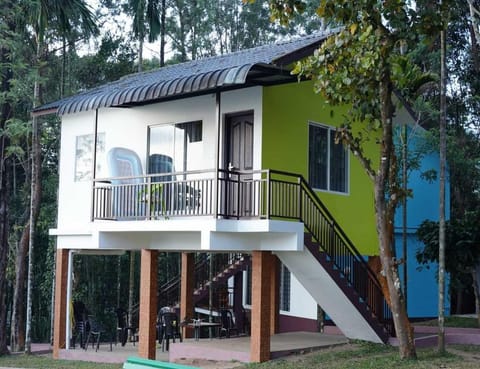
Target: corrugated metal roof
<point>196,76</point>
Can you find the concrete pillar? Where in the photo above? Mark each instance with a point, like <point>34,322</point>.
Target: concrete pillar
<point>261,295</point>
<point>187,284</point>
<point>148,304</point>
<point>275,294</point>
<point>59,329</point>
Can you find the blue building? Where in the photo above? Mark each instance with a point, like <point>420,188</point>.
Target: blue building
<point>422,286</point>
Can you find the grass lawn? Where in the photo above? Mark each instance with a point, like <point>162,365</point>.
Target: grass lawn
<point>453,321</point>
<point>371,356</point>
<point>351,356</point>
<point>46,362</point>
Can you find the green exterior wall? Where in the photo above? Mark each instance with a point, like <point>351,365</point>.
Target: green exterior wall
<point>287,109</point>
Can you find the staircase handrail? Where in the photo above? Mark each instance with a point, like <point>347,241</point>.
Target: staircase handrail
<point>349,247</point>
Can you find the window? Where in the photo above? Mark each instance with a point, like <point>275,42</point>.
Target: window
<point>328,161</point>
<point>175,147</point>
<point>84,156</point>
<point>284,288</point>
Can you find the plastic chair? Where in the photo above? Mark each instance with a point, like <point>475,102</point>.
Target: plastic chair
<point>169,327</point>
<point>95,331</point>
<point>80,314</point>
<point>123,328</point>
<point>227,323</point>
<point>127,192</point>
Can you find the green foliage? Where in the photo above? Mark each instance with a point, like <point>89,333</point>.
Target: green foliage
<point>146,20</point>
<point>462,251</point>
<point>114,59</point>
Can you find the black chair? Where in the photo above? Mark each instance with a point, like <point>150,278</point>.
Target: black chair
<point>168,327</point>
<point>227,324</point>
<point>80,333</point>
<point>80,314</point>
<point>124,328</point>
<point>95,331</point>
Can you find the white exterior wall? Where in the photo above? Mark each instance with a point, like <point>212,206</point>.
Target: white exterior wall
<point>128,127</point>
<point>73,197</point>
<point>302,304</point>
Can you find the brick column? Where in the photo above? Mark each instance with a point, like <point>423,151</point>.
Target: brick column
<point>261,295</point>
<point>148,304</point>
<point>275,294</point>
<point>187,284</point>
<point>59,326</point>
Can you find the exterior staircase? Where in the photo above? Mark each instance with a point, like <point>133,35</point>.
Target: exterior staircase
<point>233,265</point>
<point>330,268</point>
<point>223,267</point>
<point>329,287</point>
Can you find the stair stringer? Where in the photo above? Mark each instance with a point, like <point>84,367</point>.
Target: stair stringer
<point>325,291</point>
<point>230,271</point>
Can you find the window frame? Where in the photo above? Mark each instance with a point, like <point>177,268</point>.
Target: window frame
<point>186,140</point>
<point>285,288</point>
<point>330,130</point>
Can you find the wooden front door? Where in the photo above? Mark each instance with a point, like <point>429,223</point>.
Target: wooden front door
<point>239,159</point>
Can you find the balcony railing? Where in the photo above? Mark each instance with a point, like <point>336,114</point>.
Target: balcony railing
<point>194,193</point>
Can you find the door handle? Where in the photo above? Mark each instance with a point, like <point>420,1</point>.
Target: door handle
<point>231,167</point>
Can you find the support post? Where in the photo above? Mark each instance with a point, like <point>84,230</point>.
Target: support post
<point>238,302</point>
<point>59,328</point>
<point>187,284</point>
<point>274,294</point>
<point>148,304</point>
<point>261,295</point>
<point>68,317</point>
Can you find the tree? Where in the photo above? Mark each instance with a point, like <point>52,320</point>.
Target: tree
<point>10,69</point>
<point>60,18</point>
<point>146,21</point>
<point>443,160</point>
<point>462,251</point>
<point>359,66</point>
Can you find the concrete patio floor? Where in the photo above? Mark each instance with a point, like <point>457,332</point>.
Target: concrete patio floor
<point>234,349</point>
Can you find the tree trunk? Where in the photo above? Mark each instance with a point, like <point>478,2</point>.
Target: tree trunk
<point>35,199</point>
<point>476,290</point>
<point>35,192</point>
<point>17,333</point>
<point>441,215</point>
<point>385,212</point>
<point>4,229</point>
<point>5,113</point>
<point>140,54</point>
<point>163,11</point>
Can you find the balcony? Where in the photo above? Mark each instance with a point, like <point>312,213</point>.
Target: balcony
<point>261,194</point>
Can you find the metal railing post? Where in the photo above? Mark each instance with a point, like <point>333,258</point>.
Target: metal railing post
<point>268,199</point>
<point>238,195</point>
<point>149,195</point>
<point>299,182</point>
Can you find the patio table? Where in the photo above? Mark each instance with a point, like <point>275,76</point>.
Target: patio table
<point>197,324</point>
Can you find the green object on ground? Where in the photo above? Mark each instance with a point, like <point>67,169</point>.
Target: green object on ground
<point>139,363</point>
